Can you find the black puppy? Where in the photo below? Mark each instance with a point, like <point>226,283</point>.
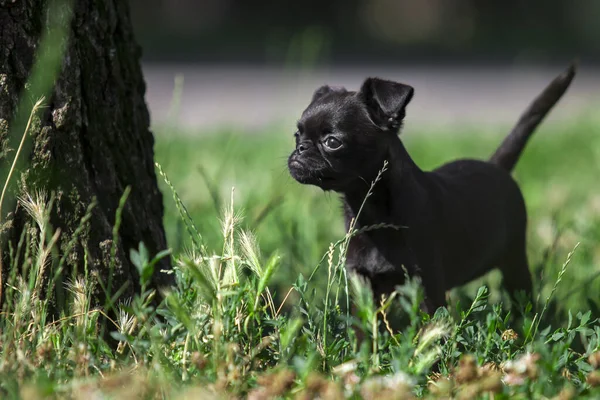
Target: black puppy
<point>459,221</point>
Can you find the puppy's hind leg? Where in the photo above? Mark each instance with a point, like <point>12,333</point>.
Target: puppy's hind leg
<point>516,277</point>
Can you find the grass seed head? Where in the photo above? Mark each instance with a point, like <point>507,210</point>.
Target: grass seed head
<point>566,393</point>
<point>199,360</point>
<point>594,360</point>
<point>467,369</point>
<point>509,334</point>
<point>593,378</point>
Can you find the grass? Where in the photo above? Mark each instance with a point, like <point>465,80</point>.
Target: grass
<point>248,317</point>
<point>557,174</point>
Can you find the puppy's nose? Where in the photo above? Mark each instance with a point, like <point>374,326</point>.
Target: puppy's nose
<point>302,147</point>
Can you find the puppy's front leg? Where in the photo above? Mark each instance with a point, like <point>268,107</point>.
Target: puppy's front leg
<point>435,297</point>
<point>433,279</point>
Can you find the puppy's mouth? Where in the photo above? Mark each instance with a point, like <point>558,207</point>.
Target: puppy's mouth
<point>303,173</point>
<point>295,164</point>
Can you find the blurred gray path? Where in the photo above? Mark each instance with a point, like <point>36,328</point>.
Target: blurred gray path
<point>251,99</point>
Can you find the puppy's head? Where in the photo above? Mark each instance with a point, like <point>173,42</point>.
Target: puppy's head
<point>343,136</point>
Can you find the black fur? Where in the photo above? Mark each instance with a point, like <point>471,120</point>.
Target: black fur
<point>460,220</point>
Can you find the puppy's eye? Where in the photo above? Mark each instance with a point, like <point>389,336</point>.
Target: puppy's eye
<point>332,143</point>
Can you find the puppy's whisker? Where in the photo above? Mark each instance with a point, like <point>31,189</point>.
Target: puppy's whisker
<point>364,180</point>
<point>330,165</point>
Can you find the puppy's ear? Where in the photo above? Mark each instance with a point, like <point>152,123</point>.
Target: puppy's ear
<point>326,89</point>
<point>386,101</point>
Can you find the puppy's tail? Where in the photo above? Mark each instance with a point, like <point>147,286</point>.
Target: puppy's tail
<point>507,155</point>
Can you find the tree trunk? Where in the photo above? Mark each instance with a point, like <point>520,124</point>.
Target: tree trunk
<point>92,141</point>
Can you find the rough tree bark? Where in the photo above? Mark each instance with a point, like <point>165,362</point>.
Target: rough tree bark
<point>92,141</point>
